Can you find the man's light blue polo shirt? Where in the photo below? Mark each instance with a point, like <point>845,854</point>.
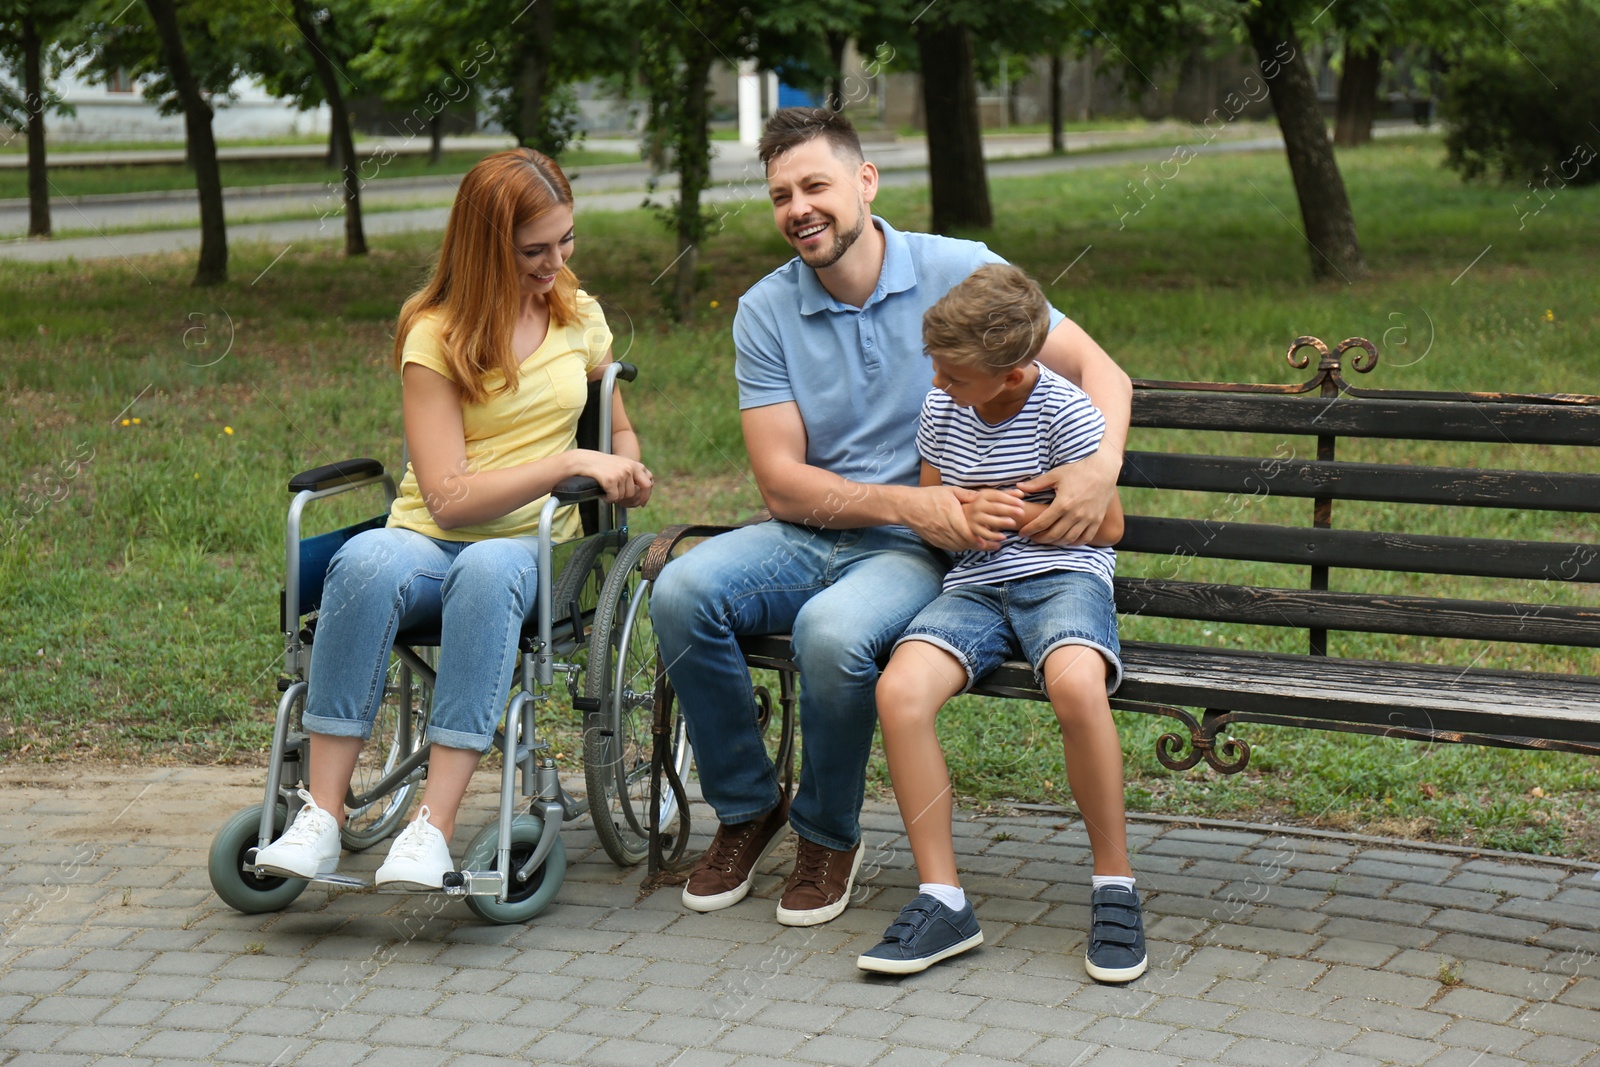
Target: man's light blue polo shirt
<point>859,375</point>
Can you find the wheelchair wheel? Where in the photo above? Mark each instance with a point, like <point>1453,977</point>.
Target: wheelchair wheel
<point>617,738</point>
<point>582,577</point>
<point>241,891</point>
<point>397,732</point>
<point>526,899</point>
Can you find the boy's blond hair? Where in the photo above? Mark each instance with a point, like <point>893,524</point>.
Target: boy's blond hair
<point>993,320</point>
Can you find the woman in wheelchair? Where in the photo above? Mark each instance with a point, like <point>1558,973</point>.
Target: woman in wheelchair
<point>493,354</point>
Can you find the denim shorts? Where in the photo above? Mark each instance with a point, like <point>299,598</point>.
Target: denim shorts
<point>983,626</point>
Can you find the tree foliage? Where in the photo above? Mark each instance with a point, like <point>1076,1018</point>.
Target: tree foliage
<point>1525,105</point>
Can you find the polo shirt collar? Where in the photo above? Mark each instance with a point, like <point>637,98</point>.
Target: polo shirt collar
<point>898,274</point>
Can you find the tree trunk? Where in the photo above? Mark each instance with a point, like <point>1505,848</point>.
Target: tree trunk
<point>436,137</point>
<point>836,42</point>
<point>355,240</point>
<point>959,183</point>
<point>533,78</point>
<point>1358,96</point>
<point>1330,228</point>
<point>201,145</point>
<point>33,100</point>
<point>1058,136</point>
<point>694,168</point>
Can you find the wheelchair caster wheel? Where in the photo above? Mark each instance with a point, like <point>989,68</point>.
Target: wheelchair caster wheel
<point>239,890</point>
<point>524,899</point>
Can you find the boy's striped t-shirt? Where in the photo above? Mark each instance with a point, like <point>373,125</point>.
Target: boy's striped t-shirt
<point>1058,424</point>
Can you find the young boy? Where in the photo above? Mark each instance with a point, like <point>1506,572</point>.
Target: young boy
<point>996,418</point>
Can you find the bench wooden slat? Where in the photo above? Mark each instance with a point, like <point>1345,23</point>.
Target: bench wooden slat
<point>1387,482</point>
<point>1555,706</point>
<point>1361,549</point>
<point>1387,694</point>
<point>1414,420</point>
<point>1552,624</point>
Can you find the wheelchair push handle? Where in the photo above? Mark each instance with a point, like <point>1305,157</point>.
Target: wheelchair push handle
<point>330,475</point>
<point>594,428</point>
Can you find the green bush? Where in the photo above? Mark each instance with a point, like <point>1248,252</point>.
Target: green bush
<point>1523,104</point>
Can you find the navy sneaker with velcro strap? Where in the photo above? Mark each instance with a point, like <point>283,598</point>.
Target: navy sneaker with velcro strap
<point>924,933</point>
<point>1116,935</point>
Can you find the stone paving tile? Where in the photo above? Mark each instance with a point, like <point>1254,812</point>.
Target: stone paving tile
<point>1502,884</point>
<point>1468,1057</point>
<point>1486,1037</point>
<point>1388,1017</point>
<point>1392,1047</point>
<point>1560,1020</point>
<point>1553,1049</point>
<point>1195,1044</point>
<point>1264,1052</point>
<point>1467,947</point>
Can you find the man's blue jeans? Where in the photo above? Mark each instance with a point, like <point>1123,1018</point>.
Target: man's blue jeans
<point>477,593</point>
<point>845,595</point>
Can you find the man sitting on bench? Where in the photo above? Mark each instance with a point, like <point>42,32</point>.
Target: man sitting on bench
<point>831,380</point>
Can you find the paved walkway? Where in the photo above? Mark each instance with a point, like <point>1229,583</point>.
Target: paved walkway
<point>1266,948</point>
<point>399,205</point>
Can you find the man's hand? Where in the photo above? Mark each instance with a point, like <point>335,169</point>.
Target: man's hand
<point>1084,491</point>
<point>938,516</point>
<point>992,514</point>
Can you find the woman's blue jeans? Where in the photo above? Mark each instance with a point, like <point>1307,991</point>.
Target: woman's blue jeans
<point>845,595</point>
<point>476,593</point>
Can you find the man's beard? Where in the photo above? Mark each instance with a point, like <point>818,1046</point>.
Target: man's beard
<point>842,241</point>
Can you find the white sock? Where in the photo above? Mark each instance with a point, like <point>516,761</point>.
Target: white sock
<point>951,896</point>
<point>1100,881</point>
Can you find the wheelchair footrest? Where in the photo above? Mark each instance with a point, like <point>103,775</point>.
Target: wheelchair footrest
<point>342,881</point>
<point>456,884</point>
<point>473,883</point>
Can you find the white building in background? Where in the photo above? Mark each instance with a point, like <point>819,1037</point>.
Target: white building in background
<point>119,112</point>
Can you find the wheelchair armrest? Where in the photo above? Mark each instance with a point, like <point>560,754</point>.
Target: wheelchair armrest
<point>328,476</point>
<point>577,489</point>
<point>661,549</point>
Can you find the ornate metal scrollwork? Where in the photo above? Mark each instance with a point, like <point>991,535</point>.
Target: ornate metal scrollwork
<point>1329,361</point>
<point>1229,755</point>
<point>1363,361</point>
<point>763,707</point>
<point>1299,362</point>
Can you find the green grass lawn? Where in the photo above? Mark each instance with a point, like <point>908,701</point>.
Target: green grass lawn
<point>140,561</point>
<point>156,177</point>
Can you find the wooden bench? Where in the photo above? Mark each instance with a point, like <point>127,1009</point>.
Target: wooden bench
<point>1337,628</point>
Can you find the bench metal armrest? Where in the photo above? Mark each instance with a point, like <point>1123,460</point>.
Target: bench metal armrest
<point>668,539</point>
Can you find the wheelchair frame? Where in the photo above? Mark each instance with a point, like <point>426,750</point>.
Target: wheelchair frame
<point>524,853</point>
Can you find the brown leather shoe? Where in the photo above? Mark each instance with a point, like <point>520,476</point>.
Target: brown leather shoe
<point>819,888</point>
<point>722,877</point>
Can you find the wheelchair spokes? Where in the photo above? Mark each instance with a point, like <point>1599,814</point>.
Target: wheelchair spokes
<point>373,811</point>
<point>617,736</point>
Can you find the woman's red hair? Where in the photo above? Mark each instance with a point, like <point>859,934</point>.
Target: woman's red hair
<point>476,284</point>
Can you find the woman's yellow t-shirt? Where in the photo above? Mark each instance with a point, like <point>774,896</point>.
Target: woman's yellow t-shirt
<point>538,420</point>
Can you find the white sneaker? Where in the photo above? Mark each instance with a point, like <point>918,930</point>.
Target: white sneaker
<point>309,848</point>
<point>419,856</point>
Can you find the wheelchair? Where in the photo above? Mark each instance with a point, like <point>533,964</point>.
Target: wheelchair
<point>591,627</point>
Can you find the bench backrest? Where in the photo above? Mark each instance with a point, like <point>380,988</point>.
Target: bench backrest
<point>1536,501</point>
